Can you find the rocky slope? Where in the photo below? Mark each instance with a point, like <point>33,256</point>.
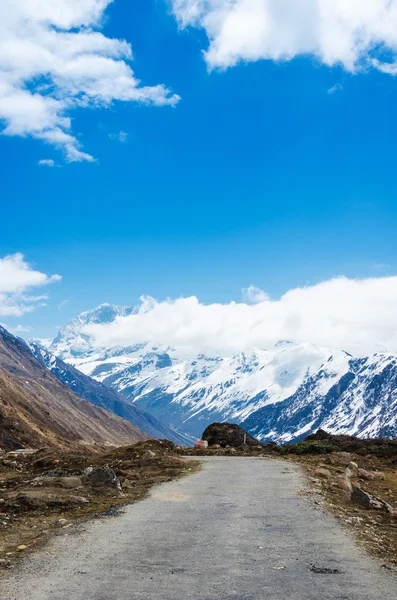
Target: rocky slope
<point>280,393</point>
<point>105,397</point>
<point>37,409</point>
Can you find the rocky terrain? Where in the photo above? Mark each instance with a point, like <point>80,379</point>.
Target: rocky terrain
<point>44,492</point>
<point>361,491</point>
<point>281,393</point>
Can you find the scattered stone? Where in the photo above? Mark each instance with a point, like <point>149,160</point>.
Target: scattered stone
<point>363,474</point>
<point>22,452</point>
<point>21,548</point>
<point>78,499</point>
<point>369,501</point>
<point>344,483</point>
<point>64,482</point>
<point>103,476</point>
<point>127,484</point>
<point>320,472</point>
<point>353,465</point>
<point>69,482</point>
<point>88,471</point>
<point>149,454</point>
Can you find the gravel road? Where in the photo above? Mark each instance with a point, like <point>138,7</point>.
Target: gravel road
<point>237,530</point>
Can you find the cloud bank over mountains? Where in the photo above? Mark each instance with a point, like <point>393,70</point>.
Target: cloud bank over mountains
<point>53,59</point>
<point>17,277</point>
<point>353,33</point>
<point>358,316</point>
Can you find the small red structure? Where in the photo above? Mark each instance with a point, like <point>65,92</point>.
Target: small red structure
<point>201,445</point>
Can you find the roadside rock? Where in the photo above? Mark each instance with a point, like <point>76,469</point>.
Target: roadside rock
<point>364,499</point>
<point>226,434</point>
<point>370,475</point>
<point>363,474</point>
<point>27,501</point>
<point>149,454</point>
<point>64,482</point>
<point>369,501</point>
<point>344,483</point>
<point>320,472</point>
<point>103,476</point>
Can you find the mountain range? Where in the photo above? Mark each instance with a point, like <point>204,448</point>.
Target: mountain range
<point>281,393</point>
<point>37,409</point>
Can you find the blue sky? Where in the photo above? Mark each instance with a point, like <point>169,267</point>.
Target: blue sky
<point>259,175</point>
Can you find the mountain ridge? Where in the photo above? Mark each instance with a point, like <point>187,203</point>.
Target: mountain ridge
<point>35,407</point>
<point>279,393</point>
<point>105,397</point>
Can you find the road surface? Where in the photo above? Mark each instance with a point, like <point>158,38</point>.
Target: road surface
<point>237,530</point>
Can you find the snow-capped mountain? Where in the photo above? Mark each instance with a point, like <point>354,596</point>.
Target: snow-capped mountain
<point>362,402</point>
<point>283,393</point>
<point>105,397</point>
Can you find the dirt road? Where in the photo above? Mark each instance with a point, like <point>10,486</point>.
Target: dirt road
<point>238,530</point>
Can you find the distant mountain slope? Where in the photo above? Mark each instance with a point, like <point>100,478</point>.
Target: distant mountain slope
<point>36,408</point>
<point>363,402</point>
<point>105,397</point>
<point>281,393</point>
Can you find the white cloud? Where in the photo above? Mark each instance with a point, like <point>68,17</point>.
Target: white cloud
<point>62,304</point>
<point>335,88</point>
<point>17,277</point>
<point>121,136</point>
<point>346,32</point>
<point>358,316</point>
<point>47,162</point>
<point>254,295</point>
<point>53,58</point>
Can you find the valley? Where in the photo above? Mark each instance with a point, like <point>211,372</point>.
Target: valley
<point>281,394</point>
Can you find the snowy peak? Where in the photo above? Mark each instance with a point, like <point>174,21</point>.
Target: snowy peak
<point>282,392</point>
<point>72,342</point>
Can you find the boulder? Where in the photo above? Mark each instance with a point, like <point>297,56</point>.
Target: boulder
<point>149,454</point>
<point>320,472</point>
<point>226,434</point>
<point>103,476</point>
<point>363,474</point>
<point>368,501</point>
<point>364,499</point>
<point>344,482</point>
<point>68,483</point>
<point>30,500</point>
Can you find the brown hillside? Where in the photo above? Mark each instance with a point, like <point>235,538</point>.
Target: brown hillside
<point>36,409</point>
